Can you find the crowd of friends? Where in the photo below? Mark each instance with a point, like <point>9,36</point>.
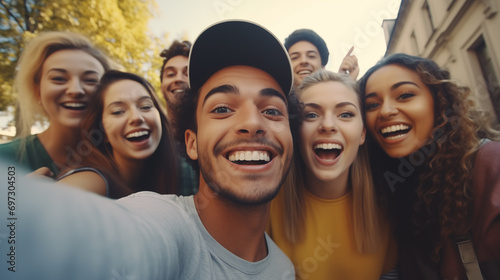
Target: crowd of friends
<point>262,164</point>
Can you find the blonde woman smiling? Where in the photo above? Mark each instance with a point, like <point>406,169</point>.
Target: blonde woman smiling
<point>326,218</point>
<point>58,73</point>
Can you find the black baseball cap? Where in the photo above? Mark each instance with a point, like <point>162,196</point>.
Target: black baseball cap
<point>237,42</point>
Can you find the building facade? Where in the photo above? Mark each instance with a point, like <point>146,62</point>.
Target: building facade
<point>462,36</point>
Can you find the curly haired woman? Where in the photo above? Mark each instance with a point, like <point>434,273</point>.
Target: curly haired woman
<point>432,153</point>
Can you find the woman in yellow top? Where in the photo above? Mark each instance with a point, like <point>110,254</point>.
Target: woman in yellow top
<point>326,217</point>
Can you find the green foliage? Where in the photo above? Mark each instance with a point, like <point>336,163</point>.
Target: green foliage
<point>118,27</point>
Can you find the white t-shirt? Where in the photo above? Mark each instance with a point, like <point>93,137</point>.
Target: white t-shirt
<point>58,232</point>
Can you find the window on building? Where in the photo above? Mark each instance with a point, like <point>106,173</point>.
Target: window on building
<point>489,74</point>
<point>428,23</point>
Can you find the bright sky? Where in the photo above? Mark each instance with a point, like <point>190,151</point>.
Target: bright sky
<point>341,23</point>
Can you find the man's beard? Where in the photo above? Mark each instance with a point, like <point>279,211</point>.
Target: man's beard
<point>219,183</point>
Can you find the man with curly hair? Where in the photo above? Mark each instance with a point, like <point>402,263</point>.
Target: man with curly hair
<point>174,85</point>
<point>174,75</point>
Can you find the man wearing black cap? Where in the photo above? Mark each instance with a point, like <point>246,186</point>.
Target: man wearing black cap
<point>309,53</point>
<point>240,76</point>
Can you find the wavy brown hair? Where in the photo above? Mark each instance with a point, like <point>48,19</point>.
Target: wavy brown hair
<point>444,192</point>
<point>160,171</point>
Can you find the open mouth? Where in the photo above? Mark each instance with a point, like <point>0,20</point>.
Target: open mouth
<point>249,157</point>
<point>138,136</point>
<point>179,91</point>
<point>327,151</point>
<point>74,106</point>
<point>395,131</point>
<point>304,72</point>
<point>178,88</point>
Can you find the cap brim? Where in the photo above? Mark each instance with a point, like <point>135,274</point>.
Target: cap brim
<point>233,42</point>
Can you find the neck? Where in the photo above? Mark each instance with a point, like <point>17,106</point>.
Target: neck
<point>130,171</point>
<point>328,189</point>
<point>61,143</point>
<point>239,228</point>
<point>171,120</point>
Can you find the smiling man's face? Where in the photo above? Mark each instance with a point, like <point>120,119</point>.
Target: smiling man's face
<point>243,143</point>
<point>305,59</point>
<point>175,80</point>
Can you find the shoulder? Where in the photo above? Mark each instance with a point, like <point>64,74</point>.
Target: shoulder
<point>279,259</point>
<point>487,163</point>
<point>171,207</point>
<point>10,148</point>
<point>486,208</point>
<point>487,170</point>
<point>487,147</point>
<point>86,178</point>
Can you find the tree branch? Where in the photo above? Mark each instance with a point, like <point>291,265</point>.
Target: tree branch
<point>26,16</point>
<point>12,15</point>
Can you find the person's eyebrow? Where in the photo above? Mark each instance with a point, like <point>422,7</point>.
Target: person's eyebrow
<point>393,87</point>
<point>62,70</point>
<point>313,105</point>
<point>346,103</point>
<point>396,85</point>
<point>221,89</point>
<point>169,68</point>
<point>339,105</point>
<point>120,102</point>
<point>57,70</point>
<point>144,97</point>
<point>273,92</point>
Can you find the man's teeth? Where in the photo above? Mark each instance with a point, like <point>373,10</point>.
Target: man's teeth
<point>394,128</point>
<point>74,105</point>
<point>178,90</point>
<point>304,72</point>
<point>328,146</point>
<point>249,156</point>
<point>137,134</point>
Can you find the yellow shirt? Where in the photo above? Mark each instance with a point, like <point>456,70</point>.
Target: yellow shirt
<point>328,249</point>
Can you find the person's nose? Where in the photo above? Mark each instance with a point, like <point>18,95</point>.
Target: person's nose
<point>135,117</point>
<point>75,88</point>
<point>328,124</point>
<point>250,122</point>
<point>303,60</point>
<point>388,109</point>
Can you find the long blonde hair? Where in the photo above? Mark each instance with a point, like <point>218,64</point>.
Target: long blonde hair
<point>29,70</point>
<point>366,213</point>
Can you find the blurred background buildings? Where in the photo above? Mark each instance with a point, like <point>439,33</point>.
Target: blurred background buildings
<point>462,36</point>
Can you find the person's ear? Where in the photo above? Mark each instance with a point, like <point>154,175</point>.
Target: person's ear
<point>363,137</point>
<point>191,144</point>
<point>38,95</point>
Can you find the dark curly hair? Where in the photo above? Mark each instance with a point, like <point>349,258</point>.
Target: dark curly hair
<point>444,192</point>
<point>175,49</point>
